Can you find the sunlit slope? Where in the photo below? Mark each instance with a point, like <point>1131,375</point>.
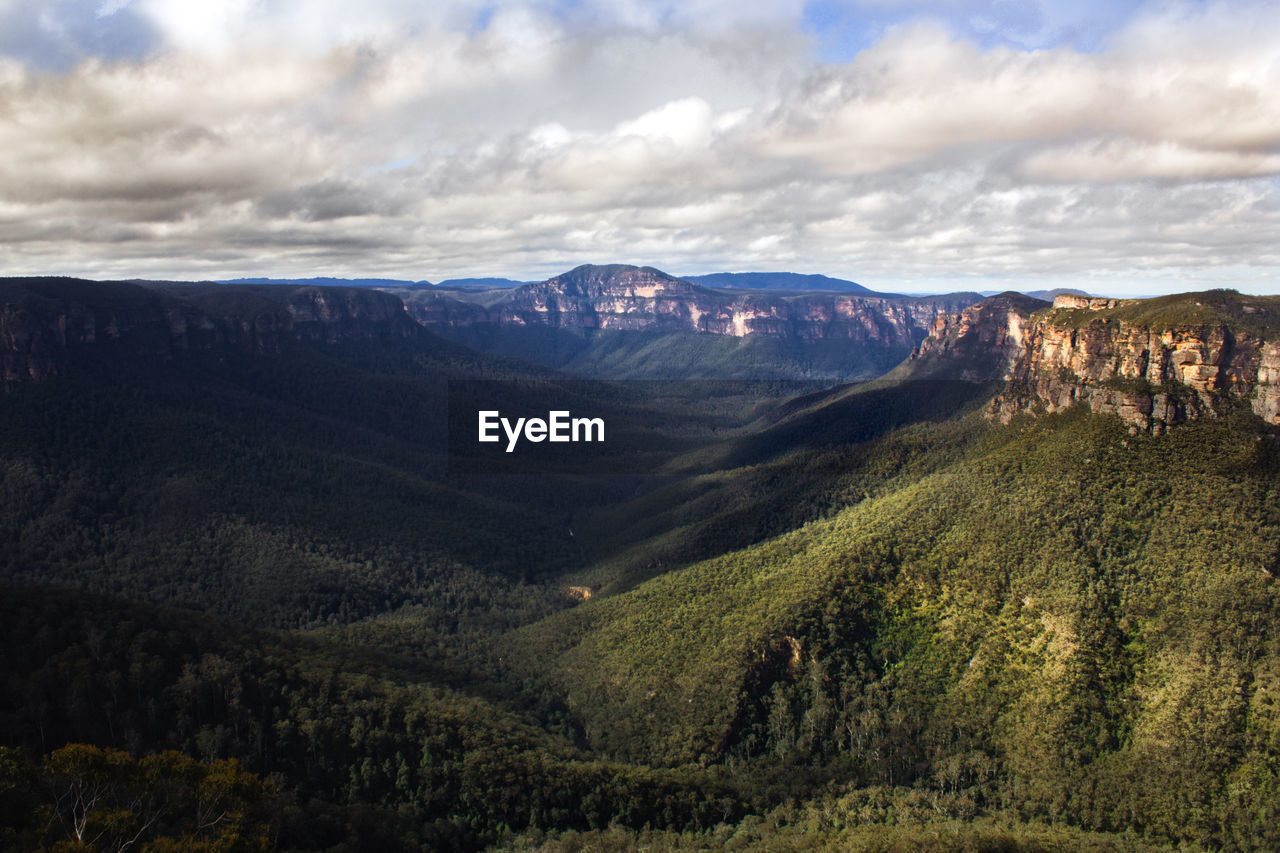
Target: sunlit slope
<point>807,458</point>
<point>1073,621</point>
<point>641,354</point>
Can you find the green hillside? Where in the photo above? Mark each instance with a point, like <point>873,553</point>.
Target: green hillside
<point>362,753</point>
<point>1060,619</point>
<point>618,354</point>
<point>1241,312</point>
<point>862,618</point>
<point>285,491</point>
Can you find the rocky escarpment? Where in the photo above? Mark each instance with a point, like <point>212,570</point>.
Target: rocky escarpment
<point>334,314</point>
<point>979,344</point>
<point>643,299</point>
<point>48,323</point>
<point>1154,363</point>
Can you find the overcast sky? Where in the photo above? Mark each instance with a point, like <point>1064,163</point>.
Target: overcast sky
<point>1127,148</point>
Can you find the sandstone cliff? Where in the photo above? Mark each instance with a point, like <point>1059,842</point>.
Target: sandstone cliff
<point>979,344</point>
<point>642,299</point>
<point>1153,362</point>
<point>46,323</point>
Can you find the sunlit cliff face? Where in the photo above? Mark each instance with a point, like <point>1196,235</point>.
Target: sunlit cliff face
<point>1151,376</point>
<point>640,299</point>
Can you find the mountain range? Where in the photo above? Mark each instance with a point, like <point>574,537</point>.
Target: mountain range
<point>999,575</point>
<point>778,281</point>
<point>748,281</point>
<point>625,322</point>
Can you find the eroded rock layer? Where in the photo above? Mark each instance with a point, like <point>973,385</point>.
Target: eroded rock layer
<point>1152,362</point>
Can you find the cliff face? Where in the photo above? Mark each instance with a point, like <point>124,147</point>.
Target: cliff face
<point>46,323</point>
<point>1154,363</point>
<point>645,299</point>
<point>330,315</point>
<point>980,344</point>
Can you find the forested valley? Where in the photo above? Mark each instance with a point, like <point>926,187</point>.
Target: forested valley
<point>247,605</point>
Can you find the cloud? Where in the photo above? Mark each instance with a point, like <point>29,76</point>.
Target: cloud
<point>921,95</point>
<point>107,8</point>
<point>520,138</point>
<point>1127,159</point>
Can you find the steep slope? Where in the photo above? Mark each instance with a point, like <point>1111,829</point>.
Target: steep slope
<point>979,344</point>
<point>1063,618</point>
<point>1154,362</point>
<point>48,323</point>
<point>362,752</point>
<point>804,460</point>
<point>275,454</point>
<point>881,603</point>
<point>638,322</point>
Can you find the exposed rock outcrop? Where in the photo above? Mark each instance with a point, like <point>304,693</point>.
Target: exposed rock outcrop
<point>979,344</point>
<point>333,314</point>
<point>645,299</point>
<point>45,323</point>
<point>1153,363</point>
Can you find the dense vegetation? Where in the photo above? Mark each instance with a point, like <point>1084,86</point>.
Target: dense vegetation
<point>359,744</point>
<point>623,354</point>
<point>105,799</point>
<point>1063,620</point>
<point>245,584</point>
<point>1243,313</point>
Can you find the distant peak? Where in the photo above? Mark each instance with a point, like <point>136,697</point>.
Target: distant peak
<point>1013,300</point>
<point>778,281</point>
<point>609,271</point>
<point>591,279</point>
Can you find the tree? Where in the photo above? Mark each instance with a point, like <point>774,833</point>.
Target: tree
<point>105,800</point>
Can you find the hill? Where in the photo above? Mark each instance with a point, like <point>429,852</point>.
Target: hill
<point>777,281</point>
<point>977,603</point>
<point>482,283</point>
<point>1154,362</point>
<point>327,281</point>
<point>624,322</point>
<point>1061,618</point>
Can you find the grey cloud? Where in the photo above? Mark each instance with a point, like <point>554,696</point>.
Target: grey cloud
<point>921,94</point>
<point>529,146</point>
<point>330,199</point>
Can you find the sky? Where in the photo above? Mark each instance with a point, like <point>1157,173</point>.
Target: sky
<point>1127,148</point>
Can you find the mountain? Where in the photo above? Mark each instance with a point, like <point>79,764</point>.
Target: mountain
<point>1050,295</point>
<point>638,322</point>
<point>324,281</point>
<point>480,283</point>
<point>777,281</point>
<point>976,344</point>
<point>1153,362</point>
<point>44,321</point>
<point>1027,614</point>
<point>183,444</point>
<point>238,566</point>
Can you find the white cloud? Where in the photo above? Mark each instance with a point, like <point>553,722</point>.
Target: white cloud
<point>683,123</point>
<point>107,8</point>
<point>1119,160</point>
<point>920,94</point>
<point>270,137</point>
